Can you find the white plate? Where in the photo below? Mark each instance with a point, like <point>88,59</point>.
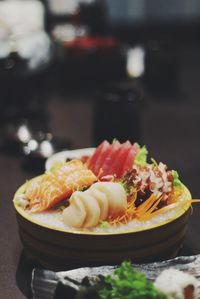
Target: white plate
<point>62,156</point>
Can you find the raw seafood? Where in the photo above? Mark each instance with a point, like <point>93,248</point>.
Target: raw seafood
<point>113,159</point>
<point>47,190</point>
<point>151,190</point>
<point>88,208</point>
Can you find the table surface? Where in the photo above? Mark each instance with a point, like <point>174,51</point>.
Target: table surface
<point>14,268</point>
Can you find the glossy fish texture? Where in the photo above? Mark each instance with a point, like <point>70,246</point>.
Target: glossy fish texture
<point>47,190</point>
<point>113,159</point>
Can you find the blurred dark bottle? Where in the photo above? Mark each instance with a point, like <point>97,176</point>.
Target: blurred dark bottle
<point>117,115</point>
<point>91,13</point>
<point>25,56</point>
<point>86,55</point>
<point>162,68</point>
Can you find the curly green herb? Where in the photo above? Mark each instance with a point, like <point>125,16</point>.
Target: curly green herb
<point>127,283</point>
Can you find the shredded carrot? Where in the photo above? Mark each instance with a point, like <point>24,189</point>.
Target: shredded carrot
<point>147,204</point>
<point>149,208</point>
<point>169,207</point>
<point>177,192</point>
<point>129,213</point>
<point>143,211</point>
<point>148,212</point>
<point>165,209</point>
<point>195,200</point>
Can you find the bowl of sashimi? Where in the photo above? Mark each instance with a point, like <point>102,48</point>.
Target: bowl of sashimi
<point>102,205</point>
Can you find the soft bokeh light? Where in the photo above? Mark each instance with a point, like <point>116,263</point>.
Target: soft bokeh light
<point>46,148</point>
<point>23,134</point>
<point>33,145</point>
<point>135,61</point>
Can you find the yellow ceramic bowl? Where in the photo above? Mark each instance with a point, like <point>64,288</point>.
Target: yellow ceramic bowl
<point>59,249</point>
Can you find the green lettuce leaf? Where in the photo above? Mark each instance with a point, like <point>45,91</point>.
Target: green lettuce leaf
<point>176,181</point>
<point>141,157</point>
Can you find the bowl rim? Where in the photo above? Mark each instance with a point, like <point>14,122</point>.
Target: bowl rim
<point>63,155</point>
<point>177,215</point>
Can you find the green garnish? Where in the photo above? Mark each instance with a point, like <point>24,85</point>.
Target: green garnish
<point>82,188</point>
<point>155,164</point>
<point>104,224</point>
<point>141,157</point>
<point>61,208</point>
<point>127,184</point>
<point>56,164</point>
<point>114,140</point>
<point>176,181</point>
<point>127,283</point>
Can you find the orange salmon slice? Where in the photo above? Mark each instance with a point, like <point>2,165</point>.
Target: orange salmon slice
<point>46,191</point>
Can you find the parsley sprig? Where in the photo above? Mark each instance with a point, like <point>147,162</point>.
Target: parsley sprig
<point>127,283</point>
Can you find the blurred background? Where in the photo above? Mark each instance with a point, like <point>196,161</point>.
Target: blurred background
<point>76,72</point>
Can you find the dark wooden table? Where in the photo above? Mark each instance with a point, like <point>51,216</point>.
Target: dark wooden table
<point>10,246</point>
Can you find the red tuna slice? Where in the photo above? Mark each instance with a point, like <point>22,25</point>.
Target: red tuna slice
<point>128,164</point>
<point>115,147</point>
<point>118,162</point>
<point>91,162</point>
<point>106,149</point>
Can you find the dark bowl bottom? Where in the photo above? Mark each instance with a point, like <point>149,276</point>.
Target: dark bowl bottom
<point>61,251</point>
